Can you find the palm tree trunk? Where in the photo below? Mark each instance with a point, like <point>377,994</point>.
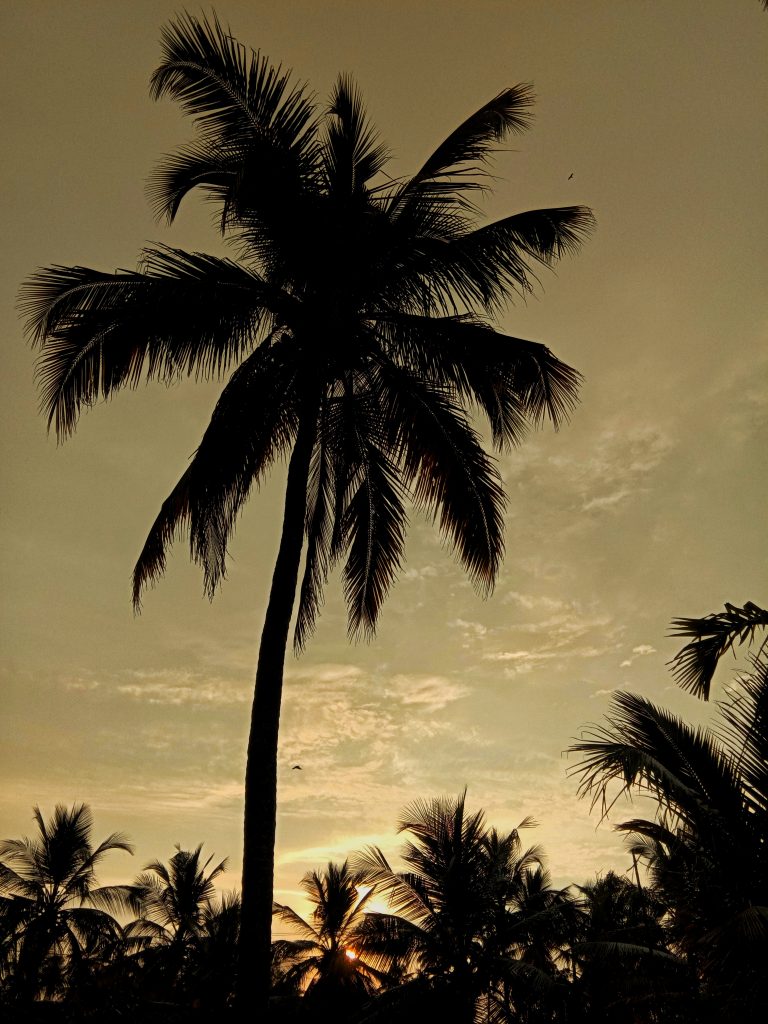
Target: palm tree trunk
<point>254,960</point>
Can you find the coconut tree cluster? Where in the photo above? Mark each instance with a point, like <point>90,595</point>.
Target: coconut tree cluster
<point>466,925</point>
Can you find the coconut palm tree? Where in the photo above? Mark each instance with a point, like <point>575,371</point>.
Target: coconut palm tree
<point>53,913</point>
<point>177,902</point>
<point>213,957</point>
<point>329,960</point>
<point>474,912</point>
<point>707,848</point>
<point>622,964</point>
<point>357,333</point>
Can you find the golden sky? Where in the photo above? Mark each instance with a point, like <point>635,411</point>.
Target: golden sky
<point>650,504</point>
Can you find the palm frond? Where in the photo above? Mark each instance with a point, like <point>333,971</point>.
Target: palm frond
<point>374,531</point>
<point>466,150</point>
<point>694,666</point>
<point>319,530</point>
<point>515,382</point>
<point>495,260</point>
<point>447,470</point>
<point>352,153</point>
<point>231,95</point>
<point>186,313</point>
<point>254,422</point>
<point>644,745</point>
<point>197,165</point>
<point>744,732</point>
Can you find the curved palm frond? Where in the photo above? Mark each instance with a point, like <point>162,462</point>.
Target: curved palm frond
<point>254,422</point>
<point>694,666</point>
<point>647,746</point>
<point>186,313</point>
<point>495,260</point>
<point>744,732</point>
<point>446,469</point>
<point>515,382</point>
<point>464,153</point>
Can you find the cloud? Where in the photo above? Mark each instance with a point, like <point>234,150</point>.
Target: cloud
<point>330,672</point>
<point>598,475</point>
<point>187,690</point>
<point>641,651</point>
<point>607,501</point>
<point>431,692</point>
<point>424,572</point>
<point>83,685</point>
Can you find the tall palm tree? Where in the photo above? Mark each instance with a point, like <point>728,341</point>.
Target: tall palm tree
<point>329,959</point>
<point>51,907</point>
<point>707,848</point>
<point>474,911</point>
<point>356,330</point>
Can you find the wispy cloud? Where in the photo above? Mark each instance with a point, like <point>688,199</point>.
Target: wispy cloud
<point>430,692</point>
<point>168,687</point>
<point>640,651</point>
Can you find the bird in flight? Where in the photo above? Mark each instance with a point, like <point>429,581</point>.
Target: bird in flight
<point>570,176</point>
<point>297,767</point>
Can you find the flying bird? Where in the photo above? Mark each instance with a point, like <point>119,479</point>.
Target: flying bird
<point>570,176</point>
<point>297,767</point>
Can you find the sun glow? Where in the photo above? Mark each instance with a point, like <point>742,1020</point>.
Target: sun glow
<point>350,954</point>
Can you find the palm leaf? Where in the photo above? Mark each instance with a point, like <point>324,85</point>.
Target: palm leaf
<point>230,95</point>
<point>185,314</point>
<point>253,423</point>
<point>694,666</point>
<point>496,259</point>
<point>645,745</point>
<point>465,151</point>
<point>352,154</point>
<point>446,469</point>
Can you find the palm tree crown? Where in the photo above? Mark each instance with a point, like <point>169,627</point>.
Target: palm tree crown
<point>357,309</point>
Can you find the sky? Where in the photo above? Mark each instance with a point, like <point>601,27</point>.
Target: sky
<point>648,505</point>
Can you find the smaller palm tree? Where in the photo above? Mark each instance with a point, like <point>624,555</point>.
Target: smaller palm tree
<point>474,913</point>
<point>176,902</point>
<point>621,958</point>
<point>212,965</point>
<point>329,960</point>
<point>55,917</point>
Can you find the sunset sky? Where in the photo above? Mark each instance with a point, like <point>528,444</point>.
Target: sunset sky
<point>648,505</point>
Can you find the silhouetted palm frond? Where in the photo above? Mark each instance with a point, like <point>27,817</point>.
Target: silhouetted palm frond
<point>694,666</point>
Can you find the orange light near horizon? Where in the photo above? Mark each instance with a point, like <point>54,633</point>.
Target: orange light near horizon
<point>350,954</point>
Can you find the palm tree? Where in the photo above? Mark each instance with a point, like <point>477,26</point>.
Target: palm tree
<point>213,957</point>
<point>177,905</point>
<point>53,913</point>
<point>357,324</point>
<point>707,848</point>
<point>474,912</point>
<point>621,961</point>
<point>329,959</point>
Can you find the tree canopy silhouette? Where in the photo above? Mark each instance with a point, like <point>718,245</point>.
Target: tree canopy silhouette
<point>707,848</point>
<point>356,331</point>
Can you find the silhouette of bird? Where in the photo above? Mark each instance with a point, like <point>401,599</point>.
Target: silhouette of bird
<point>297,767</point>
<point>570,176</point>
